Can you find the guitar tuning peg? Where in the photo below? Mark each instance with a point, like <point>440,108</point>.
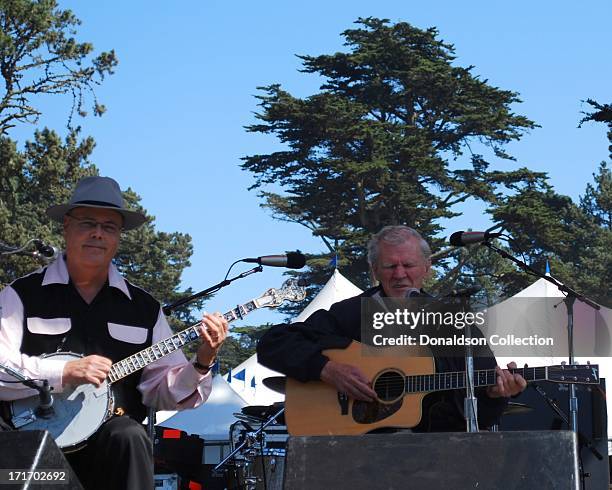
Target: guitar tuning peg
<point>525,366</point>
<point>588,363</point>
<point>563,363</point>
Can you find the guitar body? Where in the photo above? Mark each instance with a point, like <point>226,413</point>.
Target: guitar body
<point>77,413</point>
<point>315,408</point>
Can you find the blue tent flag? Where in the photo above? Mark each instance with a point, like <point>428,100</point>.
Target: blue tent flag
<point>229,375</point>
<point>240,375</point>
<point>253,384</point>
<point>215,367</point>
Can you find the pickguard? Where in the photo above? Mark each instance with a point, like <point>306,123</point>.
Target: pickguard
<point>370,412</point>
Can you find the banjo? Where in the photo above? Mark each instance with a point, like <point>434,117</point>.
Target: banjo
<point>79,411</point>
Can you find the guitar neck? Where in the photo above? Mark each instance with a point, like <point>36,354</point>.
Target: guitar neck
<point>165,347</point>
<point>457,380</point>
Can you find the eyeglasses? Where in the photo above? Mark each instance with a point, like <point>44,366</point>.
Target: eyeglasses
<point>88,224</point>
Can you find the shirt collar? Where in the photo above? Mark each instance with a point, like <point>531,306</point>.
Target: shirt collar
<point>57,273</point>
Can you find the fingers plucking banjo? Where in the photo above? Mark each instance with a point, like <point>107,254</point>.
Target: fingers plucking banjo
<point>79,411</point>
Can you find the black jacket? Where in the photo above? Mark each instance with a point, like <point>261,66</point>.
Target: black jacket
<point>295,350</point>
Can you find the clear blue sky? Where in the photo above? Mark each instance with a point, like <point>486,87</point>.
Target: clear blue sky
<point>188,72</point>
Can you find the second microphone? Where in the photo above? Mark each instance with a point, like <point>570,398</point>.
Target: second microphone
<point>291,260</point>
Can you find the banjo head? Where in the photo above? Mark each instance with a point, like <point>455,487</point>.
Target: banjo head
<point>78,411</point>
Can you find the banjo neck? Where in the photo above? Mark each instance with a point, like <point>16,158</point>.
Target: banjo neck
<point>165,347</point>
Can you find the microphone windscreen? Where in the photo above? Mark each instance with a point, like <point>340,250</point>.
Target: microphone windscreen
<point>455,239</point>
<point>295,260</point>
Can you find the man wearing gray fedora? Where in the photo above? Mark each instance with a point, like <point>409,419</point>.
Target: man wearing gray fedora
<point>80,303</point>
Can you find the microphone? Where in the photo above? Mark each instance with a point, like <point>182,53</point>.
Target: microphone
<point>45,399</point>
<point>45,406</point>
<point>47,252</point>
<point>463,238</point>
<point>412,293</point>
<point>291,260</point>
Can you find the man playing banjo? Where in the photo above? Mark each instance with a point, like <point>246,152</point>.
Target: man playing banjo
<point>81,304</point>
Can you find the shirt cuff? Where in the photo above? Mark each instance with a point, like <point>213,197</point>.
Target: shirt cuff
<point>52,370</point>
<point>188,380</point>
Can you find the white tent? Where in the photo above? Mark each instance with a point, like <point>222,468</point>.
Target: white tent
<point>592,330</point>
<point>524,314</point>
<point>336,289</point>
<point>210,420</point>
<point>247,378</point>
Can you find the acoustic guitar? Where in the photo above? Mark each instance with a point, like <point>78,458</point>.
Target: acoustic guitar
<point>400,382</point>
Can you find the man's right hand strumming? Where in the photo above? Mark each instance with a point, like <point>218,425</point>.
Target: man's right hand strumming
<point>348,379</point>
<point>90,369</point>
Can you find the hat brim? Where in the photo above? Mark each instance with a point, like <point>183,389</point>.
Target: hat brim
<point>131,219</point>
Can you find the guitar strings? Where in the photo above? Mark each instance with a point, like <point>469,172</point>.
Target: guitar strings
<point>455,376</point>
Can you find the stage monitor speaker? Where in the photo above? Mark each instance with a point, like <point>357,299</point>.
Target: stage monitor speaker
<point>457,460</point>
<point>36,451</point>
<point>530,411</point>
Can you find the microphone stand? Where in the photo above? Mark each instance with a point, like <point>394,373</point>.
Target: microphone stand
<point>583,441</point>
<point>470,403</point>
<point>45,407</point>
<point>570,297</point>
<point>213,289</point>
<point>250,439</point>
<point>6,249</point>
<point>552,403</point>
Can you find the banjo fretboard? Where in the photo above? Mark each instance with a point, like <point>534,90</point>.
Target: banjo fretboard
<point>165,347</point>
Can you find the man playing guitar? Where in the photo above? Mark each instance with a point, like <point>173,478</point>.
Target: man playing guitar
<point>399,258</point>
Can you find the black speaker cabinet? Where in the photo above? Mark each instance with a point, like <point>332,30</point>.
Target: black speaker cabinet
<point>485,460</point>
<point>531,411</point>
<point>36,452</point>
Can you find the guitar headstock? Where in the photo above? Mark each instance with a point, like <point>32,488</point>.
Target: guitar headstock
<point>289,291</point>
<point>574,374</point>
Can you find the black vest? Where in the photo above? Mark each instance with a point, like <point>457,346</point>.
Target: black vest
<point>56,318</point>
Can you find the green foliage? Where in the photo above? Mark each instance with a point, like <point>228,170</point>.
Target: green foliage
<point>45,174</point>
<point>602,113</point>
<point>597,200</point>
<point>32,180</point>
<point>395,136</point>
<point>575,239</point>
<point>237,348</point>
<point>383,142</point>
<point>39,55</point>
<point>241,345</point>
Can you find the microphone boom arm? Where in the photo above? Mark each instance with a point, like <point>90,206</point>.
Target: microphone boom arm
<point>167,309</point>
<point>527,268</point>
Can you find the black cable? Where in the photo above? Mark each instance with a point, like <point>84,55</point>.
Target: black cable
<point>230,268</point>
<point>2,381</point>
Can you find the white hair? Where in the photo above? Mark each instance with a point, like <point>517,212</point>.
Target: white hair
<point>395,235</point>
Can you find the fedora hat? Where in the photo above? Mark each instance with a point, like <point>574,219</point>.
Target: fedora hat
<point>98,192</point>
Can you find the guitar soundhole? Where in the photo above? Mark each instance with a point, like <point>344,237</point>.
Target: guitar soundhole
<point>389,386</point>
